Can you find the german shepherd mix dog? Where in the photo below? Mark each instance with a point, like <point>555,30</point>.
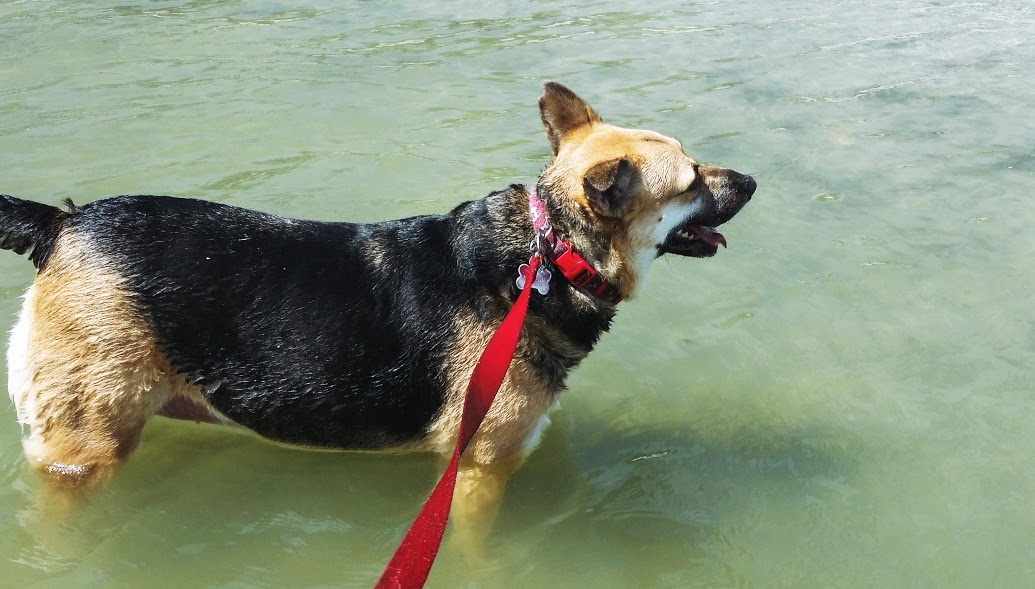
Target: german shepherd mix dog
<point>341,335</point>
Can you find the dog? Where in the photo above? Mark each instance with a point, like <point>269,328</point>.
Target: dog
<point>340,335</point>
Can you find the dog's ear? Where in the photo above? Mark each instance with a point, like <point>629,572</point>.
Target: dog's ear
<point>562,111</point>
<point>610,185</point>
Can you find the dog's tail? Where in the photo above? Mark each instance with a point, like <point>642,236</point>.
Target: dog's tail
<point>27,226</point>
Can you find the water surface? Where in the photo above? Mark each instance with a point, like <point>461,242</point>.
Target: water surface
<point>840,399</point>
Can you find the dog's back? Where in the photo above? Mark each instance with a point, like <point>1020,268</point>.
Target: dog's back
<point>294,329</point>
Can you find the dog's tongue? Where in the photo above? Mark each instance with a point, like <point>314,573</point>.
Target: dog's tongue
<point>708,235</point>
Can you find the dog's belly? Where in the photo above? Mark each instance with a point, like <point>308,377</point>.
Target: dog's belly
<point>185,408</point>
<point>323,417</point>
<point>322,380</point>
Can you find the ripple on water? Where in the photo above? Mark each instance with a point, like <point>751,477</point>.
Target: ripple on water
<point>841,399</point>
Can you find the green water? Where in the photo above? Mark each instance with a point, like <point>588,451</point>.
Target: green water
<point>841,399</point>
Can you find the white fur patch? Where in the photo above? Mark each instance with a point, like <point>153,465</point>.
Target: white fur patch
<point>19,375</point>
<point>672,215</point>
<point>536,435</point>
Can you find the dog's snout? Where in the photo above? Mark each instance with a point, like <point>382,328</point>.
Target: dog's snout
<point>740,186</point>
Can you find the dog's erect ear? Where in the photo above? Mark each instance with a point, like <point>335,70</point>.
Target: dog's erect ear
<point>610,185</point>
<point>562,111</point>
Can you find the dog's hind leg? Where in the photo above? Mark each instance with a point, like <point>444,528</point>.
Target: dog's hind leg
<point>84,421</point>
<point>86,373</point>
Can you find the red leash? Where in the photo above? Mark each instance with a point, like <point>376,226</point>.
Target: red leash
<point>411,563</point>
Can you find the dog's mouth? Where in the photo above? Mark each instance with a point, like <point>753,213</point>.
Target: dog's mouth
<point>720,197</point>
<point>696,241</point>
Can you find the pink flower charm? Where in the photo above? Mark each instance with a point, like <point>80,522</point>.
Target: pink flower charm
<point>541,282</point>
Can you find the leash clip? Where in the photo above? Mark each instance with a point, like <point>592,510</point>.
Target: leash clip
<point>538,244</point>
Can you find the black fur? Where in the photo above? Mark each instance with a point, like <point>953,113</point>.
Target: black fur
<point>27,226</point>
<point>330,334</point>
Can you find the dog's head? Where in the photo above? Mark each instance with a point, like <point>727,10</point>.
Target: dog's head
<point>629,196</point>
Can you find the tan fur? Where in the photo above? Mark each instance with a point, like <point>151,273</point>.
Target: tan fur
<point>377,255</point>
<point>582,142</point>
<point>96,375</point>
<point>503,439</point>
<point>666,174</point>
<point>522,400</point>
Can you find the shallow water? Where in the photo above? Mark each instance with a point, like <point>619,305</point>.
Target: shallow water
<point>840,399</point>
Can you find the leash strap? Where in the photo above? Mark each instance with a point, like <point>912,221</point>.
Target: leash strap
<point>411,563</point>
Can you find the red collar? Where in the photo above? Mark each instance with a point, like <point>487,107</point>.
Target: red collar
<point>574,267</point>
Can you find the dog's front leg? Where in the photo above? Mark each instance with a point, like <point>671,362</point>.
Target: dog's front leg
<point>476,502</point>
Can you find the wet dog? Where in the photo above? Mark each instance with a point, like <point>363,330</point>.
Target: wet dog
<point>340,335</point>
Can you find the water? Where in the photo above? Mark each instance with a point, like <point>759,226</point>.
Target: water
<point>841,399</point>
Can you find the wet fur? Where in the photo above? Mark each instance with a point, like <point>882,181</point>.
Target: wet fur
<point>334,335</point>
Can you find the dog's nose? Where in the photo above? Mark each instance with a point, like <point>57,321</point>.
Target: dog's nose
<point>746,184</point>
